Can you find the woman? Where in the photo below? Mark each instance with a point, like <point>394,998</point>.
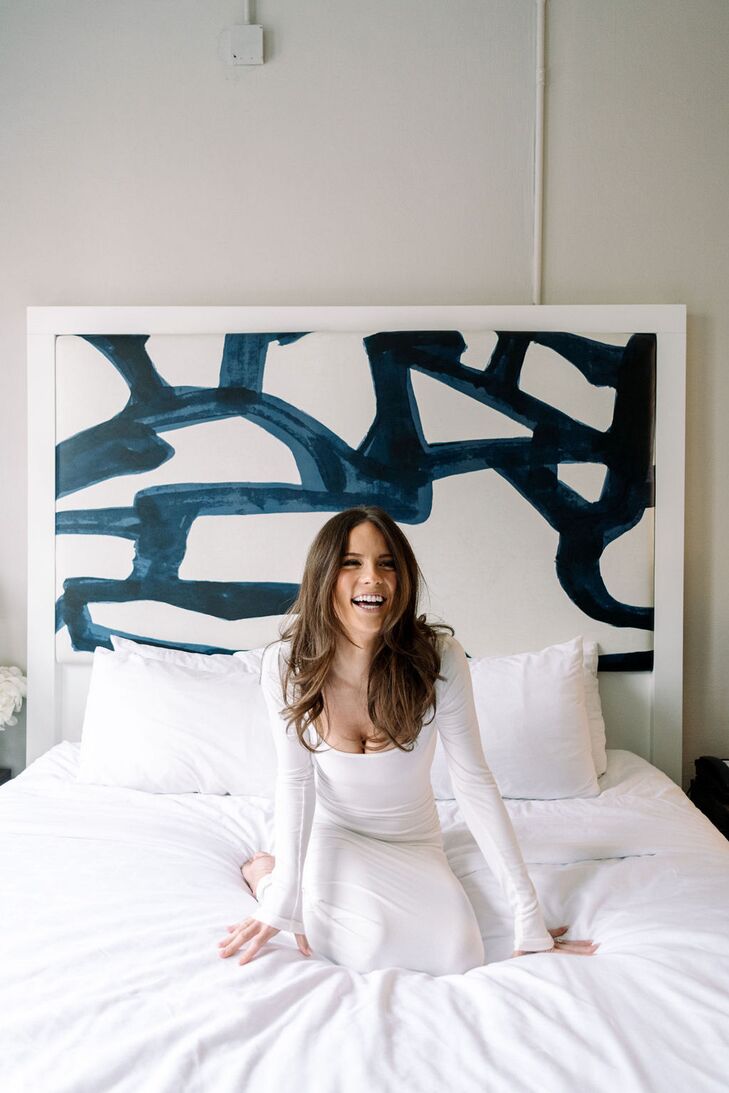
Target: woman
<point>360,867</point>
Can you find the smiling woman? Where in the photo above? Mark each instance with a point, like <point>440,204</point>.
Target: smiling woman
<point>358,671</point>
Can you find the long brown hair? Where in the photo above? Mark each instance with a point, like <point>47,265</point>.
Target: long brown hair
<point>406,662</point>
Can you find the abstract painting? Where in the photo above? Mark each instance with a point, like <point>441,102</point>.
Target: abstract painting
<point>193,471</point>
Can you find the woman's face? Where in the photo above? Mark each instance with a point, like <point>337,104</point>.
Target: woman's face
<point>366,583</point>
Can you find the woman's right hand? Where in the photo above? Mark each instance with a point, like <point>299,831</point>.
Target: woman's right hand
<point>254,934</point>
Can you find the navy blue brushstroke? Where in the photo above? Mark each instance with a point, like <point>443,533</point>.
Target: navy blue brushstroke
<point>244,358</point>
<point>96,454</point>
<point>129,356</point>
<point>394,466</point>
<point>225,600</point>
<point>626,662</point>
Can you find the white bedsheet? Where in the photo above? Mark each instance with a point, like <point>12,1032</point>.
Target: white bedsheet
<point>113,902</point>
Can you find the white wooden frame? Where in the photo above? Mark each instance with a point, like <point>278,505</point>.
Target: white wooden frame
<point>643,711</point>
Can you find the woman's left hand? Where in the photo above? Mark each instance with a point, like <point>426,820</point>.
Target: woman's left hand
<point>577,948</point>
<point>254,934</point>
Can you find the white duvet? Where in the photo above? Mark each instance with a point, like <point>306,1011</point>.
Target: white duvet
<point>113,902</point>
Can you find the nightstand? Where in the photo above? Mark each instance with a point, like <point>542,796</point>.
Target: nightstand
<point>709,791</point>
<point>5,774</point>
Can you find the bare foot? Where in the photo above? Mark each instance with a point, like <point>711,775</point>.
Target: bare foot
<point>256,867</point>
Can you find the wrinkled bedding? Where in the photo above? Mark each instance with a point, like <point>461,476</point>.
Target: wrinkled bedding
<point>113,902</point>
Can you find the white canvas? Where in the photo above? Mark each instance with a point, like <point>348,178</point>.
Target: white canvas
<point>488,555</point>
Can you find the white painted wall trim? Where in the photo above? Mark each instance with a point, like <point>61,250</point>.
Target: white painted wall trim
<point>538,218</point>
<point>606,318</point>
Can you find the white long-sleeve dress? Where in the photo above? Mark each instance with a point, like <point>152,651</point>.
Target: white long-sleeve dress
<point>360,866</point>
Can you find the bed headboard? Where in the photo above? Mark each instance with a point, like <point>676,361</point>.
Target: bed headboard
<point>181,460</point>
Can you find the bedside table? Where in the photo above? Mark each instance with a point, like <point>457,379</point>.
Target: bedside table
<point>5,774</point>
<point>709,791</point>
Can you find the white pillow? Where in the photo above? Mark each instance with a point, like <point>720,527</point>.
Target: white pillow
<point>209,661</point>
<point>594,706</point>
<point>534,725</point>
<point>168,721</point>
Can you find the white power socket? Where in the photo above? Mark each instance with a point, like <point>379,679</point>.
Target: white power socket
<point>245,44</point>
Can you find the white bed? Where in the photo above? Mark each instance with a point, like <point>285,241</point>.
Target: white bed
<point>114,901</point>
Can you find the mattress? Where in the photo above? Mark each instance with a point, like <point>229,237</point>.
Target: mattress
<point>114,901</point>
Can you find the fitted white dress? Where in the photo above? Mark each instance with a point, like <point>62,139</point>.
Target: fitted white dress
<point>360,866</point>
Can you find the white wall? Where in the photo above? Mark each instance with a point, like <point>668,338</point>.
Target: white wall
<point>381,155</point>
<point>637,210</point>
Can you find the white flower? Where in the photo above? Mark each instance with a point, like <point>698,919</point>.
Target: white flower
<point>13,688</point>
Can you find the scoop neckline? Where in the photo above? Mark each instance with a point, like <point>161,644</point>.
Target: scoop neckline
<point>361,754</point>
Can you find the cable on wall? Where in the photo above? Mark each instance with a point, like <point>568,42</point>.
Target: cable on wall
<point>538,218</point>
